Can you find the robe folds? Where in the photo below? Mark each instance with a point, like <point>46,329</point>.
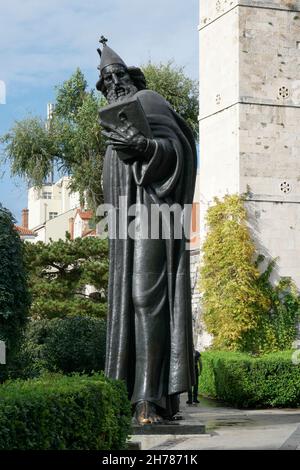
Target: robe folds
<point>149,330</point>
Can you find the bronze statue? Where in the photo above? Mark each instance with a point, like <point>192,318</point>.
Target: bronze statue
<point>149,336</point>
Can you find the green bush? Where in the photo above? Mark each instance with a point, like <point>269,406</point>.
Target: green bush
<point>245,381</point>
<point>72,344</point>
<point>242,309</point>
<point>278,329</point>
<point>64,413</point>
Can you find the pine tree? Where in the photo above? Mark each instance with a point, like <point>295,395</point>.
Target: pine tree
<point>59,273</point>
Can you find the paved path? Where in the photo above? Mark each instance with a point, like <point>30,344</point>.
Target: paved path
<point>229,428</point>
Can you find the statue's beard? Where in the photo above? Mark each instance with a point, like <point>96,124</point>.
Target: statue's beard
<point>120,93</point>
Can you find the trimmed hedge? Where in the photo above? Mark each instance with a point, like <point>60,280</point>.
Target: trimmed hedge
<point>271,380</point>
<point>57,412</point>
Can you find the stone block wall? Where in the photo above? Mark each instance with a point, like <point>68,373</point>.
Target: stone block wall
<point>250,118</point>
<point>210,10</point>
<point>275,228</point>
<point>269,56</point>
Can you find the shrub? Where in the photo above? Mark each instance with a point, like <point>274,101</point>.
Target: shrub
<point>74,344</point>
<point>241,308</point>
<point>232,300</point>
<point>242,380</point>
<point>64,413</point>
<point>277,329</point>
<point>14,297</point>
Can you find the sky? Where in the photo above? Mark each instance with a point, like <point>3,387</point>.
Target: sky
<point>42,42</point>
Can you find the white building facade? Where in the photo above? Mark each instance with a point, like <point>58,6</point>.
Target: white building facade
<point>250,119</point>
<point>50,210</point>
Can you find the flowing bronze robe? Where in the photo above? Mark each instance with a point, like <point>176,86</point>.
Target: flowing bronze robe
<point>149,335</point>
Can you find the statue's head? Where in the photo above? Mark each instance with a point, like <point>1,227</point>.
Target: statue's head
<point>117,81</point>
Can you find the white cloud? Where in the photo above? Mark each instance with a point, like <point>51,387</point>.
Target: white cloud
<point>44,41</point>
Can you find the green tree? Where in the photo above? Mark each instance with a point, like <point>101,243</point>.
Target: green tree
<point>170,81</point>
<point>72,140</point>
<point>14,296</point>
<point>242,309</point>
<point>59,273</point>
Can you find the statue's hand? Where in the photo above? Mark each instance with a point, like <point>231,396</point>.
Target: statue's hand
<point>127,138</point>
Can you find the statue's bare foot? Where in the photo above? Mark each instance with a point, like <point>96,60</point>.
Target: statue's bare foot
<point>145,413</point>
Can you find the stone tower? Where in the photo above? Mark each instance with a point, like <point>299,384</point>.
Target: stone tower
<point>250,118</point>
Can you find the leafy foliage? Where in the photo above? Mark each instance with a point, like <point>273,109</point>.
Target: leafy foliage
<point>64,413</point>
<point>31,149</point>
<point>14,296</point>
<point>232,300</point>
<point>271,380</point>
<point>59,273</point>
<point>171,82</point>
<point>76,125</point>
<point>67,345</point>
<point>72,140</point>
<point>278,328</point>
<point>242,310</point>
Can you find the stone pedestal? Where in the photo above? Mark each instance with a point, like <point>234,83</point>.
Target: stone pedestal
<point>176,429</point>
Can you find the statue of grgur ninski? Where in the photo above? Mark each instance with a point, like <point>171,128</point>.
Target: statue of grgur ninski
<point>149,332</point>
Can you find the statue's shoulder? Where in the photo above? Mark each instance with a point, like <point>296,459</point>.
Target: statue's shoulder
<point>152,101</point>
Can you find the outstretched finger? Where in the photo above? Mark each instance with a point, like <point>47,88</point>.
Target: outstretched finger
<point>106,134</point>
<point>115,129</point>
<point>118,144</point>
<point>106,125</point>
<point>114,137</point>
<point>118,140</point>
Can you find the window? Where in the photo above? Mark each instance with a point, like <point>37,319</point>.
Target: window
<point>52,215</point>
<point>46,195</point>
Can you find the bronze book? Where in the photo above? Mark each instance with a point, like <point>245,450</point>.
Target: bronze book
<point>130,110</point>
